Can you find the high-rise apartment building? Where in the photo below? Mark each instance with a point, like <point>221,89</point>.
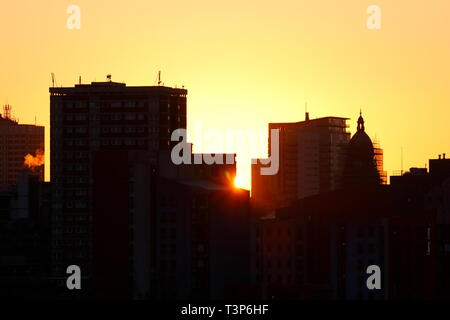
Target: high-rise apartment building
<point>16,142</point>
<point>90,118</point>
<point>311,160</point>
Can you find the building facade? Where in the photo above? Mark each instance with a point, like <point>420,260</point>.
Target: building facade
<point>311,161</point>
<point>167,231</point>
<point>90,118</point>
<point>16,142</point>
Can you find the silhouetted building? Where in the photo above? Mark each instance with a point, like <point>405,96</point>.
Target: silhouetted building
<point>320,247</point>
<point>123,234</point>
<point>438,201</point>
<point>429,192</point>
<point>311,161</point>
<point>17,141</point>
<point>164,231</point>
<point>203,245</point>
<point>412,256</point>
<point>439,169</point>
<point>25,239</point>
<point>95,117</point>
<point>361,164</point>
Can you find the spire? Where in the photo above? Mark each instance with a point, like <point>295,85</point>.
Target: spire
<point>360,122</point>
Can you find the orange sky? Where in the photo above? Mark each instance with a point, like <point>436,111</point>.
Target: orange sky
<point>247,63</point>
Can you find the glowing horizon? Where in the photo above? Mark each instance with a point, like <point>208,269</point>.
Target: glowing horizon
<point>247,64</point>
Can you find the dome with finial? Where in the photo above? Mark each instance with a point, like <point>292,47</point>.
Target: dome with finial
<point>360,145</point>
<point>360,168</point>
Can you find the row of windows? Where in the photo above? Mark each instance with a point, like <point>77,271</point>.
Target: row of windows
<point>75,155</point>
<point>69,255</point>
<point>111,129</point>
<point>112,104</point>
<point>74,217</point>
<point>22,148</point>
<point>126,142</point>
<point>110,116</point>
<point>77,242</point>
<point>16,160</point>
<point>75,142</point>
<point>75,204</point>
<point>280,264</point>
<point>127,129</point>
<point>72,230</point>
<point>77,167</point>
<point>71,180</point>
<point>75,192</point>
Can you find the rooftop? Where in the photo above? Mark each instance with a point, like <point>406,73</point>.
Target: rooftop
<point>110,86</point>
<point>7,121</point>
<point>309,121</point>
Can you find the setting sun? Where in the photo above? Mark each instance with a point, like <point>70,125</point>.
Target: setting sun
<point>238,183</point>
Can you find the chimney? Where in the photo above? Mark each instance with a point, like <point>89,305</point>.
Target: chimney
<point>439,157</point>
<point>306,116</point>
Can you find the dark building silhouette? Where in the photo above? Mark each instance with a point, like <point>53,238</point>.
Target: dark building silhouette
<point>203,247</point>
<point>312,157</point>
<point>25,239</point>
<point>17,141</point>
<point>167,231</point>
<point>89,118</point>
<point>317,156</point>
<point>361,166</point>
<point>320,247</point>
<point>139,226</point>
<point>430,191</point>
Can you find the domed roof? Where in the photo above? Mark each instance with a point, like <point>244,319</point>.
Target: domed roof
<point>360,167</point>
<point>360,144</point>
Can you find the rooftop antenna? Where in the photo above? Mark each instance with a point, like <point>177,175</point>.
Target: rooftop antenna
<point>53,80</point>
<point>79,79</point>
<point>306,112</point>
<point>401,162</point>
<point>7,111</point>
<point>108,77</point>
<point>159,78</point>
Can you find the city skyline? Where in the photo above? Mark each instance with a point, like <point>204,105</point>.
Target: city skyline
<point>260,62</point>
